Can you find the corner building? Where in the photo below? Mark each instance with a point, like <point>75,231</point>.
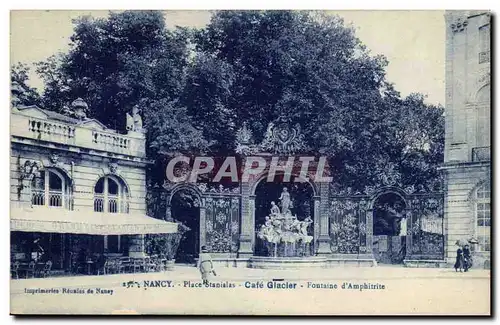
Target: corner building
<point>78,189</point>
<point>467,161</point>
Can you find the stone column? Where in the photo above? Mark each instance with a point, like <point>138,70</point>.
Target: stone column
<point>409,226</point>
<point>137,246</point>
<point>368,254</point>
<point>321,214</point>
<point>203,224</point>
<point>247,222</point>
<point>168,213</point>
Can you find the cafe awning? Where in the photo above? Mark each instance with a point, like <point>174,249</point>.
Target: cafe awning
<point>54,220</point>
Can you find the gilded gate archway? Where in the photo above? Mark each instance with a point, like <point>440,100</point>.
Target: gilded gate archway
<point>219,215</point>
<point>351,217</point>
<point>184,205</point>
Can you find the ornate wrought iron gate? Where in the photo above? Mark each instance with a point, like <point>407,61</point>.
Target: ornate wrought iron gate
<point>351,224</point>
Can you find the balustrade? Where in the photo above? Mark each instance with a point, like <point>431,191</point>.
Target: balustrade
<point>83,135</point>
<point>111,141</point>
<point>50,129</point>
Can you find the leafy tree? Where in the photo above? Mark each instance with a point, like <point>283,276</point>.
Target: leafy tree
<point>197,87</point>
<point>129,58</point>
<point>25,95</point>
<point>308,68</point>
<point>115,62</point>
<point>291,66</point>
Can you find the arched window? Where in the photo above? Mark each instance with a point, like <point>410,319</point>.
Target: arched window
<point>483,217</point>
<point>110,195</point>
<point>50,188</point>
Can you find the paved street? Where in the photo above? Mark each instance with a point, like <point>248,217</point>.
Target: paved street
<point>405,290</point>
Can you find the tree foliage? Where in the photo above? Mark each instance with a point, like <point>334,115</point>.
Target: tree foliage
<point>197,87</point>
<point>19,77</point>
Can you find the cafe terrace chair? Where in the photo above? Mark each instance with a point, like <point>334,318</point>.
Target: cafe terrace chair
<point>102,267</point>
<point>14,269</point>
<point>46,269</point>
<point>138,265</point>
<point>30,269</point>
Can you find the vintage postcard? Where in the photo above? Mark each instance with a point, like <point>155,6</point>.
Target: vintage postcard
<point>250,162</point>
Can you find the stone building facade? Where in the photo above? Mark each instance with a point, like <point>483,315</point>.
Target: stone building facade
<point>76,187</point>
<point>467,139</point>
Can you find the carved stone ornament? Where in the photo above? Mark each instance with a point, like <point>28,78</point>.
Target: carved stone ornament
<point>29,169</point>
<point>80,108</point>
<point>283,139</point>
<point>459,24</point>
<point>244,141</point>
<point>484,78</point>
<point>113,167</point>
<point>54,158</point>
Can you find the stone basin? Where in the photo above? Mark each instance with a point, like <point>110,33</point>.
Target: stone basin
<point>284,263</point>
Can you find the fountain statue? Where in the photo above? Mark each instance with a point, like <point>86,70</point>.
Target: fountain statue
<point>283,233</point>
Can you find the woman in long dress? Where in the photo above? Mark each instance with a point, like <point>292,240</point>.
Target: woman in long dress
<point>459,262</point>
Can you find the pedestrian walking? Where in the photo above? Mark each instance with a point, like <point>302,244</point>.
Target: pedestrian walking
<point>205,265</point>
<point>459,262</point>
<point>467,258</point>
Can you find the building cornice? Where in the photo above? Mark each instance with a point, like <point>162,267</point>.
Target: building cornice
<point>455,165</point>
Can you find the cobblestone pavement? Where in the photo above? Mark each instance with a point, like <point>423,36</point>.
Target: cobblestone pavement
<point>310,291</point>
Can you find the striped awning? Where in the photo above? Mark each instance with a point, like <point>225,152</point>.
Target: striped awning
<point>55,220</point>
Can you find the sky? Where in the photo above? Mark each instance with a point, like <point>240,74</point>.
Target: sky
<point>412,41</point>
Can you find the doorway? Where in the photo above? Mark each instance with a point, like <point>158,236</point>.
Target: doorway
<point>185,207</point>
<point>389,228</point>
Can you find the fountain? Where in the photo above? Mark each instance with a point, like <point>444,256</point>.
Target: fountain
<point>286,238</point>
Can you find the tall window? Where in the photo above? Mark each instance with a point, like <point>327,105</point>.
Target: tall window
<point>483,116</point>
<point>483,217</point>
<point>110,195</point>
<point>50,188</point>
<point>484,44</point>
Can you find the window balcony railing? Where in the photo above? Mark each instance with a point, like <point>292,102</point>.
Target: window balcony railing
<point>37,197</point>
<point>484,57</point>
<point>481,154</point>
<point>54,199</point>
<point>113,203</point>
<point>98,203</point>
